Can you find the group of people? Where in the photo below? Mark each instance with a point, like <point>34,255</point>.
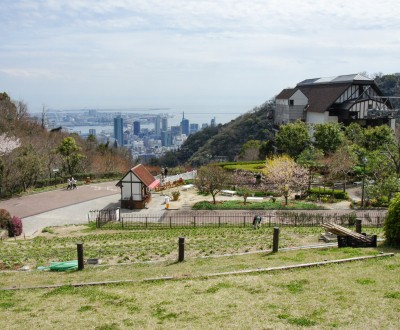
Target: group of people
<point>71,183</point>
<point>164,172</point>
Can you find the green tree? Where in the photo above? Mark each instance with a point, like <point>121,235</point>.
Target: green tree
<point>293,138</point>
<point>69,150</point>
<point>212,179</point>
<point>30,166</point>
<point>328,137</point>
<point>250,150</point>
<point>392,222</point>
<point>378,137</point>
<point>311,158</point>
<point>354,134</point>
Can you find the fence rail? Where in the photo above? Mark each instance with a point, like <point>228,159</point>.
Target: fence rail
<point>173,219</point>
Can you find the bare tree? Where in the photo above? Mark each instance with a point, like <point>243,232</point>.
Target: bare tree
<point>212,179</point>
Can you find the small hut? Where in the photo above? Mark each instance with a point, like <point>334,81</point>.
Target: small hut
<point>136,187</point>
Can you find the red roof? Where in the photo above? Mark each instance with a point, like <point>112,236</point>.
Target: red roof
<point>144,175</point>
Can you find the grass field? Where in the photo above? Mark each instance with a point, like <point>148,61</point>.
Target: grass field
<point>356,295</point>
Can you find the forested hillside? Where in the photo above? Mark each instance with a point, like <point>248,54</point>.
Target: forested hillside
<point>32,156</point>
<point>227,140</point>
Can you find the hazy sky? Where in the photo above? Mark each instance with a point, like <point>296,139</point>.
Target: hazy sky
<point>168,53</point>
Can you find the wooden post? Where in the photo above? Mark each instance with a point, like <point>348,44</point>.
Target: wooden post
<point>358,226</point>
<point>79,247</point>
<point>275,241</point>
<point>181,249</point>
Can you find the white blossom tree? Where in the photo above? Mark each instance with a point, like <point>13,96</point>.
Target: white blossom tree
<point>286,175</point>
<point>8,144</point>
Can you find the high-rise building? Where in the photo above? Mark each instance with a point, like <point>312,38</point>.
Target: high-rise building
<point>92,131</point>
<point>136,127</point>
<point>194,128</point>
<point>175,131</point>
<point>213,122</point>
<point>119,130</point>
<point>185,125</point>
<point>164,124</point>
<point>157,126</point>
<point>166,138</point>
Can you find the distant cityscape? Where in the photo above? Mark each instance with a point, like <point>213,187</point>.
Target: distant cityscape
<point>146,135</point>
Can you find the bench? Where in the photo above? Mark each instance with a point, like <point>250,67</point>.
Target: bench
<point>228,192</point>
<point>187,186</point>
<point>255,199</point>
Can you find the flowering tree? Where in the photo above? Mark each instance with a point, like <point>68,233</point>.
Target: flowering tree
<point>8,144</point>
<point>286,175</point>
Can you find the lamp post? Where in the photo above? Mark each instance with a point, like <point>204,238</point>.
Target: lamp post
<point>364,160</point>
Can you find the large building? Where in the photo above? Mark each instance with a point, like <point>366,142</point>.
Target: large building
<point>343,99</point>
<point>119,130</point>
<point>185,125</point>
<point>157,126</point>
<point>136,127</point>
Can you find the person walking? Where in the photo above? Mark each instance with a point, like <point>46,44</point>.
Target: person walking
<point>73,183</point>
<point>69,184</point>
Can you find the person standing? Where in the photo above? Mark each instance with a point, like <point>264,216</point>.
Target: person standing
<point>69,186</point>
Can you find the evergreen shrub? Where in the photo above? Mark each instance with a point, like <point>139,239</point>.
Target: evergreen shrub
<point>337,194</point>
<point>392,222</point>
<point>5,218</point>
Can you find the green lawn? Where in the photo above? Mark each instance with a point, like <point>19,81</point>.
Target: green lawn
<point>356,295</point>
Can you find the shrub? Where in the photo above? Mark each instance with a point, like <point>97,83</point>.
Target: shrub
<point>14,227</point>
<point>175,195</point>
<point>392,222</point>
<point>337,194</point>
<point>5,218</point>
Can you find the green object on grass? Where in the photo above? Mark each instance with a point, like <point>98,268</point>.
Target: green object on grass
<point>63,266</point>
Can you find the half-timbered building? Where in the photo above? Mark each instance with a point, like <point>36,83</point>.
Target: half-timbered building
<point>136,186</point>
<point>343,99</point>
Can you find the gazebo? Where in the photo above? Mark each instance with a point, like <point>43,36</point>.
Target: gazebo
<point>136,186</point>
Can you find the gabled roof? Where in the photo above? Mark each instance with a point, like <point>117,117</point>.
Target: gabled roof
<point>286,93</point>
<point>142,173</point>
<point>321,97</point>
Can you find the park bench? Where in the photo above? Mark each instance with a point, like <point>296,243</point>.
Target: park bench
<point>228,192</point>
<point>349,238</point>
<point>256,199</point>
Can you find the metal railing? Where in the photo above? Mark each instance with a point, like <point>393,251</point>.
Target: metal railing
<point>174,219</point>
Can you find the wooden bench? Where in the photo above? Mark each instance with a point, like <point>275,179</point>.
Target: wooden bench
<point>346,237</point>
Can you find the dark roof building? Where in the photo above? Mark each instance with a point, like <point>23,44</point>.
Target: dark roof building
<point>343,99</point>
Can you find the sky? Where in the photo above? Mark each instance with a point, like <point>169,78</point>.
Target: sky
<point>195,56</point>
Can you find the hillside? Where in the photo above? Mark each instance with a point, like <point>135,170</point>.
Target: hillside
<point>226,140</point>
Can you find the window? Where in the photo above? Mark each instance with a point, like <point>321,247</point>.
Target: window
<point>291,102</point>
